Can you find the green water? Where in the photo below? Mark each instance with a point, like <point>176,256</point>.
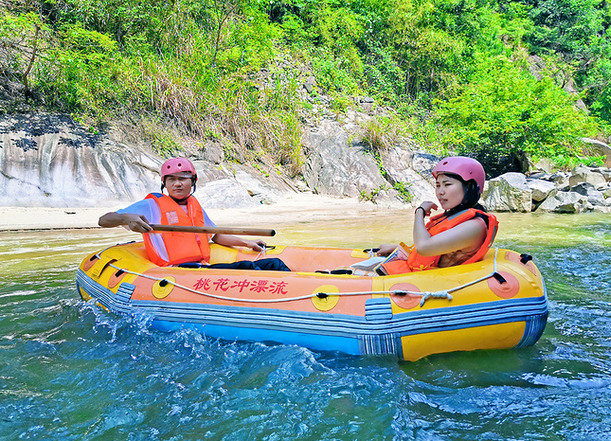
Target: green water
<point>70,371</point>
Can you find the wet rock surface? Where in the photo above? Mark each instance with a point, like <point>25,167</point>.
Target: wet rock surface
<point>49,160</point>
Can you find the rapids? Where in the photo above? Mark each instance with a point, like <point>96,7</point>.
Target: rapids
<point>69,370</point>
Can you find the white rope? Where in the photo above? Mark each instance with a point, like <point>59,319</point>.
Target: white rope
<point>442,294</point>
<point>261,253</point>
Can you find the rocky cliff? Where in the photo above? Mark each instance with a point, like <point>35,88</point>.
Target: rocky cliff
<point>51,160</point>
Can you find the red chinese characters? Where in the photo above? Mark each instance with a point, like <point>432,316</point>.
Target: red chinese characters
<point>258,286</point>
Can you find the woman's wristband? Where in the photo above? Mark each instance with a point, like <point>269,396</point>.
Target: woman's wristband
<point>420,208</point>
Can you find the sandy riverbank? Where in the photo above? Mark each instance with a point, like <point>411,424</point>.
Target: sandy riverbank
<point>289,209</point>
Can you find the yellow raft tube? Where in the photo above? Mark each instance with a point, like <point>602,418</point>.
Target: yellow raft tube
<point>497,303</point>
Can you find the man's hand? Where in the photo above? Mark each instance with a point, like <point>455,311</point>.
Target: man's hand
<point>137,223</point>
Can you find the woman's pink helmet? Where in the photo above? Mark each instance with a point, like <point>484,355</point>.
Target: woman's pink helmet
<point>467,168</point>
<point>178,165</point>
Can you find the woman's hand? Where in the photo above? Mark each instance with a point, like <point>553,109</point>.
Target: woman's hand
<point>386,249</point>
<point>428,207</point>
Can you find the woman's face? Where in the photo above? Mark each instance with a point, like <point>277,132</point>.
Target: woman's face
<point>449,191</point>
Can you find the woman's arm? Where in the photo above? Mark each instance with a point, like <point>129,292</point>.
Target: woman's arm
<point>466,235</point>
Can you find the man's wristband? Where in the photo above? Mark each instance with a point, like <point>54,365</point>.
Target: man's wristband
<point>420,208</point>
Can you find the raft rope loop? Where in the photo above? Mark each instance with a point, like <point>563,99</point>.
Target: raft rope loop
<point>442,294</point>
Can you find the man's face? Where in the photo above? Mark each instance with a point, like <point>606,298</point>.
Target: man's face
<point>179,185</point>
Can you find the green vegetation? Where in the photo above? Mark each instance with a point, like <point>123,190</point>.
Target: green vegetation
<point>481,77</point>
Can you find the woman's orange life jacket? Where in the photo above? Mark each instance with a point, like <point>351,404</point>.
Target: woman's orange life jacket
<point>180,247</point>
<point>436,225</point>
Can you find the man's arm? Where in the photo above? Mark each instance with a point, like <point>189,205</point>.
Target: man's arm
<point>135,222</point>
<point>229,240</point>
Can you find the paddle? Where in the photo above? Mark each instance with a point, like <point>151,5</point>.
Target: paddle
<point>215,230</point>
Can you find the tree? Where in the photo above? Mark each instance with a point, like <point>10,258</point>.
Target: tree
<point>505,112</point>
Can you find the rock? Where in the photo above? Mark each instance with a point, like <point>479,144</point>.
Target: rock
<point>258,189</point>
<point>48,160</point>
<point>560,179</point>
<point>508,192</point>
<point>540,189</point>
<point>225,193</point>
<point>366,104</point>
<point>600,148</point>
<point>586,189</point>
<point>424,163</point>
<point>544,176</point>
<point>545,165</point>
<point>564,202</point>
<point>607,193</point>
<point>309,84</point>
<point>606,172</point>
<point>586,174</point>
<point>397,163</point>
<point>213,152</point>
<point>337,167</point>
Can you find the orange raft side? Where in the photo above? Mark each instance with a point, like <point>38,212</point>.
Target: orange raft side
<point>410,315</point>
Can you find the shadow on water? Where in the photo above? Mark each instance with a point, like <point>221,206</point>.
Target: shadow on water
<point>70,370</point>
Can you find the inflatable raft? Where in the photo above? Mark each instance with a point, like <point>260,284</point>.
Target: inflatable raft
<point>499,302</point>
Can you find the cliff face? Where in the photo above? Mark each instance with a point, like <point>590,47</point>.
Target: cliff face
<point>50,160</point>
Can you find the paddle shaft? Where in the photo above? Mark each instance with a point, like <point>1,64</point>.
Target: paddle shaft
<point>215,230</point>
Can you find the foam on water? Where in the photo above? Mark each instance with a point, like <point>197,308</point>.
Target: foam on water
<point>70,370</point>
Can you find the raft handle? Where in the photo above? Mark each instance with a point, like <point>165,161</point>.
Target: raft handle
<point>322,295</point>
<point>525,258</point>
<point>371,250</point>
<point>499,278</point>
<point>340,271</point>
<point>163,283</point>
<point>119,273</point>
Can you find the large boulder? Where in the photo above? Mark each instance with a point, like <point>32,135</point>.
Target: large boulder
<point>540,189</point>
<point>564,202</point>
<point>586,189</point>
<point>601,148</point>
<point>337,165</point>
<point>508,192</point>
<point>589,175</point>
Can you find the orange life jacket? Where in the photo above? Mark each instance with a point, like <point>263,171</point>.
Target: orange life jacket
<point>180,247</point>
<point>436,225</point>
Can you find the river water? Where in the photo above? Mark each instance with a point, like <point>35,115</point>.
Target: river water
<point>71,371</point>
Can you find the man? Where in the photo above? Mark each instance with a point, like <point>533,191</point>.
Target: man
<point>180,208</point>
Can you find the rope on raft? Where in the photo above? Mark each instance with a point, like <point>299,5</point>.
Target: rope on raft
<point>442,294</point>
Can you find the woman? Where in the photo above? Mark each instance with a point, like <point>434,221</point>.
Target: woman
<point>462,234</point>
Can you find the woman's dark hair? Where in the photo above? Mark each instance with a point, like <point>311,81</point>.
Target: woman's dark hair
<point>471,198</point>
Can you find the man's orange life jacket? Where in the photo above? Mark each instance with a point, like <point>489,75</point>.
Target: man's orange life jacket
<point>180,247</point>
<point>436,225</point>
